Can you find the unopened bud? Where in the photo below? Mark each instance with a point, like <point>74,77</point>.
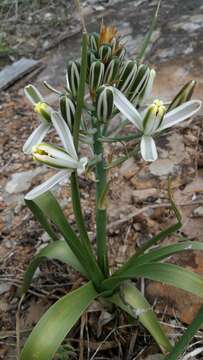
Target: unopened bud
<point>67,108</point>
<point>127,76</point>
<point>96,75</point>
<point>139,82</point>
<point>111,73</point>
<point>184,95</point>
<point>73,77</point>
<point>94,41</point>
<point>104,103</point>
<point>105,52</point>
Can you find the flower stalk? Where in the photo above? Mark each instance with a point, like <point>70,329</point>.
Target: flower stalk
<point>101,213</point>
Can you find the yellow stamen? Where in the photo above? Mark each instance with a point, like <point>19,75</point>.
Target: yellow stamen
<point>158,108</point>
<point>40,107</point>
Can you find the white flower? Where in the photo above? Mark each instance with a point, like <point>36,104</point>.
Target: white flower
<point>65,159</point>
<point>44,111</point>
<point>153,120</point>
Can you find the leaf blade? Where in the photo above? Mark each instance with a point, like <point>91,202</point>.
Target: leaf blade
<point>58,250</point>
<point>134,301</point>
<point>56,323</point>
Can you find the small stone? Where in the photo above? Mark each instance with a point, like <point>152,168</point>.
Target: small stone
<point>4,287</point>
<point>128,168</point>
<point>145,194</point>
<point>21,181</point>
<point>161,167</point>
<point>198,212</point>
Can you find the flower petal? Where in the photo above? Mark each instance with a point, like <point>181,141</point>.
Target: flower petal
<point>33,95</point>
<point>180,113</point>
<point>64,134</point>
<point>126,108</point>
<point>48,184</point>
<point>148,148</point>
<point>36,137</point>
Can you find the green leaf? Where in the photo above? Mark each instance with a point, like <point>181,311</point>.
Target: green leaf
<point>55,324</point>
<point>52,210</point>
<point>165,252</point>
<point>58,250</point>
<point>135,304</point>
<point>39,214</point>
<point>187,337</point>
<point>149,34</point>
<point>167,273</point>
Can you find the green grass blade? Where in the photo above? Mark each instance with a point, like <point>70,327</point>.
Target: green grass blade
<point>167,273</point>
<point>135,304</point>
<point>149,34</point>
<point>55,324</point>
<point>187,337</point>
<point>59,250</point>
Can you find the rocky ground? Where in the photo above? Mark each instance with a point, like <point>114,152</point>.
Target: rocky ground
<point>138,203</point>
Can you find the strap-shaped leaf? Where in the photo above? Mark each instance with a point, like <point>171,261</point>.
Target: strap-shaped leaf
<point>55,324</point>
<point>134,303</point>
<point>165,252</point>
<point>59,250</point>
<point>51,209</point>
<point>39,214</point>
<point>167,273</point>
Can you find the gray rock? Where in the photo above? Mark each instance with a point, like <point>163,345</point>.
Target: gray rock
<point>161,167</point>
<point>142,195</point>
<point>21,181</point>
<point>4,287</point>
<point>198,212</point>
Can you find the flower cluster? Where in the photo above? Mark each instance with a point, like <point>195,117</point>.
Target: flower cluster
<point>116,84</point>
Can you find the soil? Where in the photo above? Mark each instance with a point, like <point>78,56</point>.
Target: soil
<point>50,32</point>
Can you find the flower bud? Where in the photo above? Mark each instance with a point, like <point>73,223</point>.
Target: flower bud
<point>96,75</point>
<point>127,76</point>
<point>43,110</point>
<point>147,88</point>
<point>73,77</point>
<point>94,41</point>
<point>121,53</point>
<point>139,83</point>
<point>104,103</point>
<point>105,52</point>
<point>53,156</point>
<point>184,95</point>
<point>153,117</point>
<point>111,73</point>
<point>67,108</point>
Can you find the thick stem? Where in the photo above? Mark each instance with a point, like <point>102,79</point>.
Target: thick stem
<point>101,213</point>
<point>74,179</point>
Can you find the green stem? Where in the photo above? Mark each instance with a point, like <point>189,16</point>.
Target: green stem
<point>75,193</point>
<point>101,213</point>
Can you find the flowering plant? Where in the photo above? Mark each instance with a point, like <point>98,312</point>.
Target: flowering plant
<point>103,84</point>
